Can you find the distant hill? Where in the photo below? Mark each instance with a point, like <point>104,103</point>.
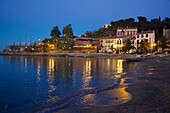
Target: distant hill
<point>142,24</point>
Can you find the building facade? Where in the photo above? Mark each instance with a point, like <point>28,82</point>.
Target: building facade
<point>126,31</point>
<point>107,25</point>
<point>122,35</point>
<point>149,36</point>
<point>108,44</point>
<point>166,33</point>
<point>85,45</point>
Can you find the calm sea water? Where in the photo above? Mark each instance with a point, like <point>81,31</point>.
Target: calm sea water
<point>47,84</point>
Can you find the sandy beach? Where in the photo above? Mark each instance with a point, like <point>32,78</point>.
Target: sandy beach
<point>150,89</point>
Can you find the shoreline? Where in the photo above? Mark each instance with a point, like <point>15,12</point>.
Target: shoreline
<point>150,91</point>
<point>129,57</point>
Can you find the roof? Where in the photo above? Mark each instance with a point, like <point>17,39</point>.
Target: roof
<point>85,39</point>
<point>127,28</point>
<point>114,37</point>
<point>146,32</point>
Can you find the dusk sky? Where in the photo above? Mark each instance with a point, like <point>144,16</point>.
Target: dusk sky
<point>34,19</point>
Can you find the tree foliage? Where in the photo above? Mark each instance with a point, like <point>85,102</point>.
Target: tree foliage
<point>55,32</point>
<point>127,46</point>
<point>143,46</point>
<point>162,42</point>
<point>142,24</point>
<point>68,32</point>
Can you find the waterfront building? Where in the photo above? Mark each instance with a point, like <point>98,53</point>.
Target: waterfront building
<point>126,31</point>
<point>166,33</point>
<point>112,44</point>
<point>149,36</point>
<point>85,45</point>
<point>18,47</point>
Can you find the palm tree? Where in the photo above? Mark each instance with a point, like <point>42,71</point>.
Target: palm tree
<point>162,42</point>
<point>143,46</point>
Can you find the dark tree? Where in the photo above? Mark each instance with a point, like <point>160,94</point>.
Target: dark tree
<point>142,19</point>
<point>68,32</point>
<point>144,46</point>
<point>127,46</point>
<point>162,42</point>
<point>55,32</point>
<point>167,19</point>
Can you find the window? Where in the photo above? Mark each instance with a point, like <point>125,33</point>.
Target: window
<point>147,40</point>
<point>146,35</point>
<point>142,36</point>
<point>132,42</point>
<point>109,41</point>
<point>137,41</point>
<point>120,42</point>
<point>122,33</point>
<point>117,42</point>
<point>137,36</point>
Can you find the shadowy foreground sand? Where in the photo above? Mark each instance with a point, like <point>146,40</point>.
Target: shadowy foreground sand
<point>150,90</point>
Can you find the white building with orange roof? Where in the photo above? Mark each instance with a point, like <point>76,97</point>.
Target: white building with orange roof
<point>108,44</point>
<point>149,36</point>
<point>122,35</point>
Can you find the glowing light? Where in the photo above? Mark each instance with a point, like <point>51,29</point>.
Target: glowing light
<point>25,64</point>
<point>122,94</point>
<point>87,74</point>
<point>51,66</point>
<point>153,44</point>
<point>51,45</point>
<point>51,75</point>
<point>38,71</point>
<point>90,98</point>
<point>119,66</point>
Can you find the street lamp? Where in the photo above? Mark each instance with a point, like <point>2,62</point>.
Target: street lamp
<point>152,46</point>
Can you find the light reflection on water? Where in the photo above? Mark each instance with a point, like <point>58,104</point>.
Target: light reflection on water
<point>51,78</point>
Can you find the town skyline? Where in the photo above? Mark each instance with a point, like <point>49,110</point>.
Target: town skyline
<point>33,21</point>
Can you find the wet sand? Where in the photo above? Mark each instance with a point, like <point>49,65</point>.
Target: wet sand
<point>150,89</point>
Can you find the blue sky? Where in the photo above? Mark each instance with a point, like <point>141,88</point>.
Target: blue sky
<point>27,20</point>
